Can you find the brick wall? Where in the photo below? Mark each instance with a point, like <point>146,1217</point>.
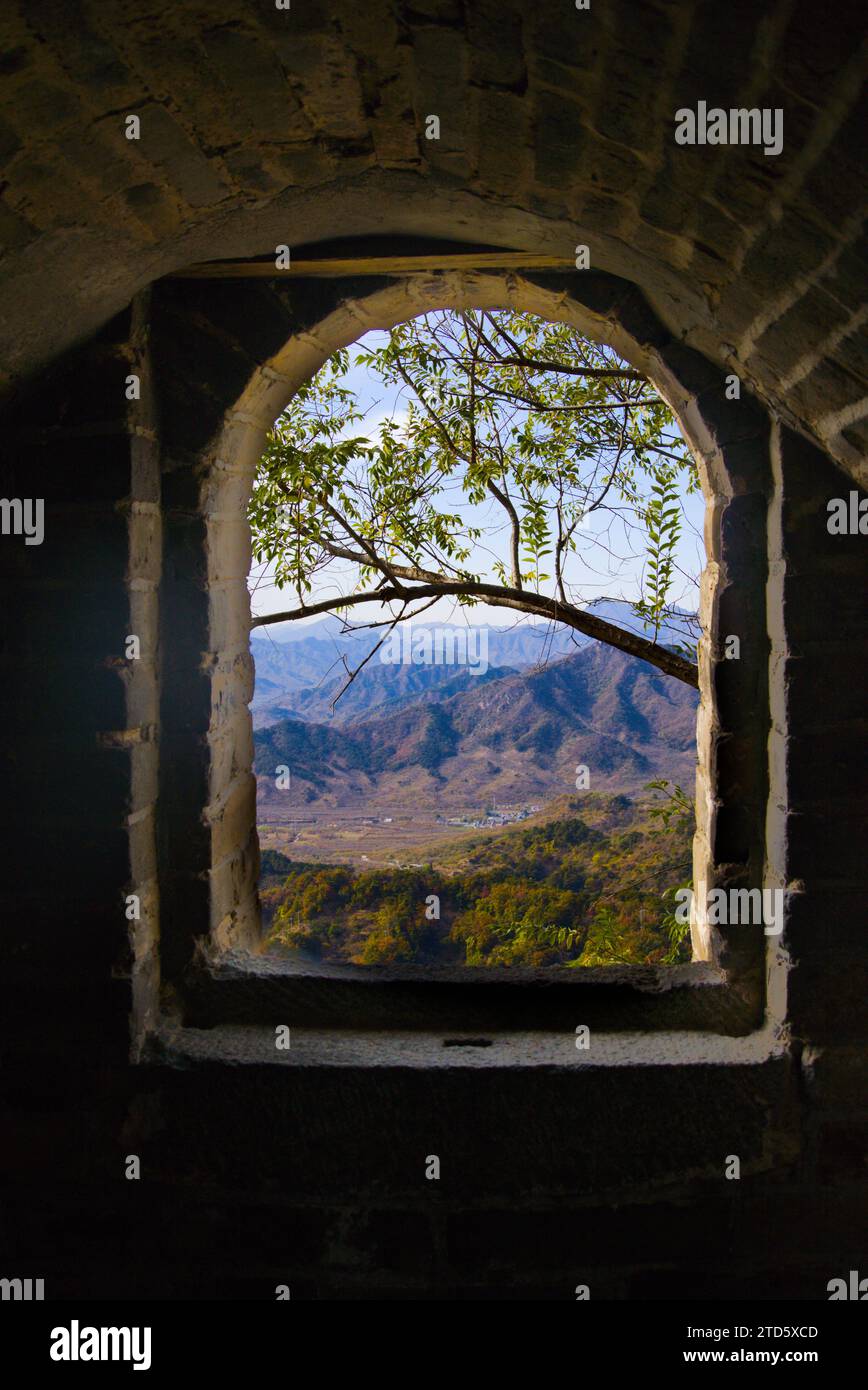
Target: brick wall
<point>557,126</point>
<point>555,130</point>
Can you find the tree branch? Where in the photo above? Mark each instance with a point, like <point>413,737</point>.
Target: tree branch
<point>390,570</point>
<point>522,600</point>
<point>537,366</point>
<point>506,502</point>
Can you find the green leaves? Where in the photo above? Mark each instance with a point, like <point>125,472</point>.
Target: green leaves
<point>677,813</point>
<point>678,933</point>
<point>605,943</point>
<point>519,452</point>
<point>662,516</point>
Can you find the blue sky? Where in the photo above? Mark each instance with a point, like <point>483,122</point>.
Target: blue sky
<point>595,574</point>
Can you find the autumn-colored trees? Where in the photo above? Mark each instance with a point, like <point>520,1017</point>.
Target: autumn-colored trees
<point>591,886</point>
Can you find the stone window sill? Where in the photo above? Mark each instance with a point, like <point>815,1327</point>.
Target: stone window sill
<point>242,990</point>
<point>314,1049</point>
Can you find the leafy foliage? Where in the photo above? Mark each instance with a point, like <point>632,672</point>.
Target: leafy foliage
<point>676,812</point>
<point>662,517</point>
<point>525,456</point>
<point>675,815</point>
<point>588,887</point>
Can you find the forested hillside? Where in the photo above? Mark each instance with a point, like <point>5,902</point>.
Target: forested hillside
<point>589,884</point>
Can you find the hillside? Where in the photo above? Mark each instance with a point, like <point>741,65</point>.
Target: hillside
<point>302,669</point>
<point>589,885</point>
<point>302,678</point>
<point>377,691</point>
<point>511,739</point>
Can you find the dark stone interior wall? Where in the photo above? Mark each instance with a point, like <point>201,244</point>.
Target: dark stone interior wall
<point>825,619</point>
<point>253,1175</point>
<point>80,718</point>
<point>263,125</point>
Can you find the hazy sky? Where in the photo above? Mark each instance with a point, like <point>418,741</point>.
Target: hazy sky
<point>595,573</point>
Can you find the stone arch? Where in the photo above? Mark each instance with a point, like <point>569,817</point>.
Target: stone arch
<point>263,126</point>
<point>730,441</point>
<point>259,123</point>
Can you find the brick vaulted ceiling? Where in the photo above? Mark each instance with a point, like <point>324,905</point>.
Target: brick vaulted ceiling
<point>261,126</point>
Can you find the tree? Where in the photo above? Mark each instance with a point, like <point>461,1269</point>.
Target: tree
<point>507,417</point>
<point>675,815</point>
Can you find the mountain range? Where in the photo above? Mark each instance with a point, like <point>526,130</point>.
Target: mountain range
<point>443,738</point>
<point>303,672</point>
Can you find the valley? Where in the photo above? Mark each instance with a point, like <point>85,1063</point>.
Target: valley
<point>383,783</point>
<point>520,789</point>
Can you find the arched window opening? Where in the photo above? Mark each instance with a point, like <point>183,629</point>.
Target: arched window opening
<point>478,541</point>
<point>210,850</point>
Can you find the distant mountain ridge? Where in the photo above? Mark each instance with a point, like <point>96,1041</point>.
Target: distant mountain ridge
<point>506,737</point>
<point>375,691</point>
<point>302,675</point>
